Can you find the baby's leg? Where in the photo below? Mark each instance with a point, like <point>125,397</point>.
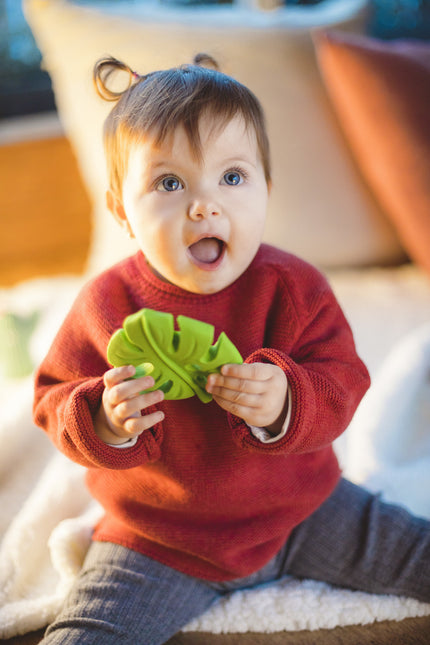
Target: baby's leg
<point>124,597</point>
<point>354,540</point>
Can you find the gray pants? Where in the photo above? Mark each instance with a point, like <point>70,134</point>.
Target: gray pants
<point>353,540</point>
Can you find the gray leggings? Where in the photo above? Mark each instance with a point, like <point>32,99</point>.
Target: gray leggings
<point>353,540</point>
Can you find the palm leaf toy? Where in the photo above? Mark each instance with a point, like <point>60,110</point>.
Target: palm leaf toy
<point>178,360</point>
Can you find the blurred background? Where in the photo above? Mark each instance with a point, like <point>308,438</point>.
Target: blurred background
<point>37,165</point>
<point>25,88</point>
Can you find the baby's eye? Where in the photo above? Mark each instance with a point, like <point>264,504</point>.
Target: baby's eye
<point>169,184</point>
<point>233,178</point>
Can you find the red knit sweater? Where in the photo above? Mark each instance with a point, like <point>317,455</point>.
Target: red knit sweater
<point>198,491</point>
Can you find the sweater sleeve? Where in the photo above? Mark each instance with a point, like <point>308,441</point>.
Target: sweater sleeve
<point>69,387</point>
<point>326,378</point>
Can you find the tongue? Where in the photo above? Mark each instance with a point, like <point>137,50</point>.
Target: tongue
<point>206,250</point>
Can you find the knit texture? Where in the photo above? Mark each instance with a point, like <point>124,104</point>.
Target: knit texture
<point>198,491</point>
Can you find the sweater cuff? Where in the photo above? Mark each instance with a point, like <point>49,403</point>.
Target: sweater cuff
<point>79,414</point>
<point>242,434</point>
<point>264,435</point>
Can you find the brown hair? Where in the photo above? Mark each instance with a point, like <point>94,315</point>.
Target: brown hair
<point>160,101</point>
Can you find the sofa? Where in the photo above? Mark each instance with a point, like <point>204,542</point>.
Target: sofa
<point>348,122</point>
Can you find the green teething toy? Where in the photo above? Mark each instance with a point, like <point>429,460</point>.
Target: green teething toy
<point>179,361</point>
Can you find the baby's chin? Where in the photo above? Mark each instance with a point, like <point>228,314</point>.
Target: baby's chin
<point>206,284</point>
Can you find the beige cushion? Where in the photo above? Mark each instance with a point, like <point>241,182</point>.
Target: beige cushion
<point>320,208</point>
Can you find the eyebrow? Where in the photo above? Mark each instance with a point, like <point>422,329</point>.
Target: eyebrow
<point>153,166</point>
<point>159,164</point>
<point>239,159</point>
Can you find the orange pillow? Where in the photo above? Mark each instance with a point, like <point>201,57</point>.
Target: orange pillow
<point>380,91</point>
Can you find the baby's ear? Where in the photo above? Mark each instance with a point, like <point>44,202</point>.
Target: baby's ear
<point>116,207</point>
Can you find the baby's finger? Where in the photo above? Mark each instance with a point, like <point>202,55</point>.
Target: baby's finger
<point>216,382</point>
<point>129,389</point>
<point>137,425</point>
<point>243,399</point>
<point>132,407</point>
<point>237,408</point>
<point>249,371</point>
<point>117,374</point>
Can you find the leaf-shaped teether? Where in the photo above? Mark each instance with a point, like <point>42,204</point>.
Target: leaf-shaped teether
<point>181,360</point>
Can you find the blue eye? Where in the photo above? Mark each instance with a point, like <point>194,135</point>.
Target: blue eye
<point>169,184</point>
<point>233,178</point>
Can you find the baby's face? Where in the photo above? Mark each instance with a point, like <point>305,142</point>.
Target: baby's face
<point>199,223</point>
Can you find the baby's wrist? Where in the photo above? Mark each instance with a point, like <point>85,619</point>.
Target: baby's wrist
<point>105,433</point>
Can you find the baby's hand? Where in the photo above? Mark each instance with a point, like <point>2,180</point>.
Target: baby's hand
<point>255,392</point>
<point>119,417</point>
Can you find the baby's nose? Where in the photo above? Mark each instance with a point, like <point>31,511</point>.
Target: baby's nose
<point>203,208</point>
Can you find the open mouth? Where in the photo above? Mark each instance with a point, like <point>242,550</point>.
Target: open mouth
<point>207,252</point>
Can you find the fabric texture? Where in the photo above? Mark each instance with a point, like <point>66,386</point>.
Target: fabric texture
<point>381,93</point>
<point>198,491</point>
<point>123,597</point>
<point>316,185</point>
<point>356,540</point>
<point>357,533</point>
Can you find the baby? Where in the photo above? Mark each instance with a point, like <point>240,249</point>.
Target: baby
<point>201,499</point>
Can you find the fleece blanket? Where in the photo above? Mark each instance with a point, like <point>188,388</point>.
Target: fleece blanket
<point>47,516</point>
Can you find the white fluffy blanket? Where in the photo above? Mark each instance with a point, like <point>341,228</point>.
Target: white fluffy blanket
<point>47,515</point>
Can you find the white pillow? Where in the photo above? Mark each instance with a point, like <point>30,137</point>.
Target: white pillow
<point>320,207</point>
